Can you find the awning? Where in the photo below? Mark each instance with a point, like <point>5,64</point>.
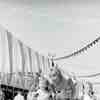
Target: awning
<point>18,62</point>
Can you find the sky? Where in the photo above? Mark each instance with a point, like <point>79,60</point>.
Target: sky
<point>56,27</point>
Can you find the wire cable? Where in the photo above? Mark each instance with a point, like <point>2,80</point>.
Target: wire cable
<point>89,76</point>
<point>79,51</point>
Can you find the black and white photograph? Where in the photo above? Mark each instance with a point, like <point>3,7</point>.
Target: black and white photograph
<point>49,49</point>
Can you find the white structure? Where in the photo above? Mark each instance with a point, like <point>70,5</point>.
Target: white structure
<point>19,62</point>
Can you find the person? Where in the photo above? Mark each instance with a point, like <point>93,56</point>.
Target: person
<point>78,90</point>
<point>61,82</point>
<point>87,90</point>
<point>86,97</point>
<point>43,91</point>
<point>64,95</point>
<point>35,85</point>
<point>19,96</point>
<point>2,96</point>
<point>32,94</point>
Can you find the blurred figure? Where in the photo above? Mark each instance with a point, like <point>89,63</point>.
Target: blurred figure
<point>61,82</point>
<point>35,85</point>
<point>43,92</point>
<point>2,96</point>
<point>87,90</point>
<point>78,90</point>
<point>19,96</point>
<point>32,95</point>
<point>64,95</point>
<point>87,97</point>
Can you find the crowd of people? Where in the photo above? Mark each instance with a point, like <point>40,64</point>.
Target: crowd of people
<point>55,86</point>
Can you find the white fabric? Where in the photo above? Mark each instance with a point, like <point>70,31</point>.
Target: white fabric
<point>16,57</point>
<point>78,90</point>
<point>43,95</point>
<point>63,95</point>
<point>86,97</point>
<point>19,97</point>
<point>31,96</point>
<point>96,97</point>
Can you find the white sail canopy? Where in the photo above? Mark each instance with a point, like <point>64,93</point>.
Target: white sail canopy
<point>19,62</point>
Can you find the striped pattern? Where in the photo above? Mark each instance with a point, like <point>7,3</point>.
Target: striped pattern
<point>18,63</point>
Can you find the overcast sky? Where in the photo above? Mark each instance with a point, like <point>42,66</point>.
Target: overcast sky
<point>56,26</point>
